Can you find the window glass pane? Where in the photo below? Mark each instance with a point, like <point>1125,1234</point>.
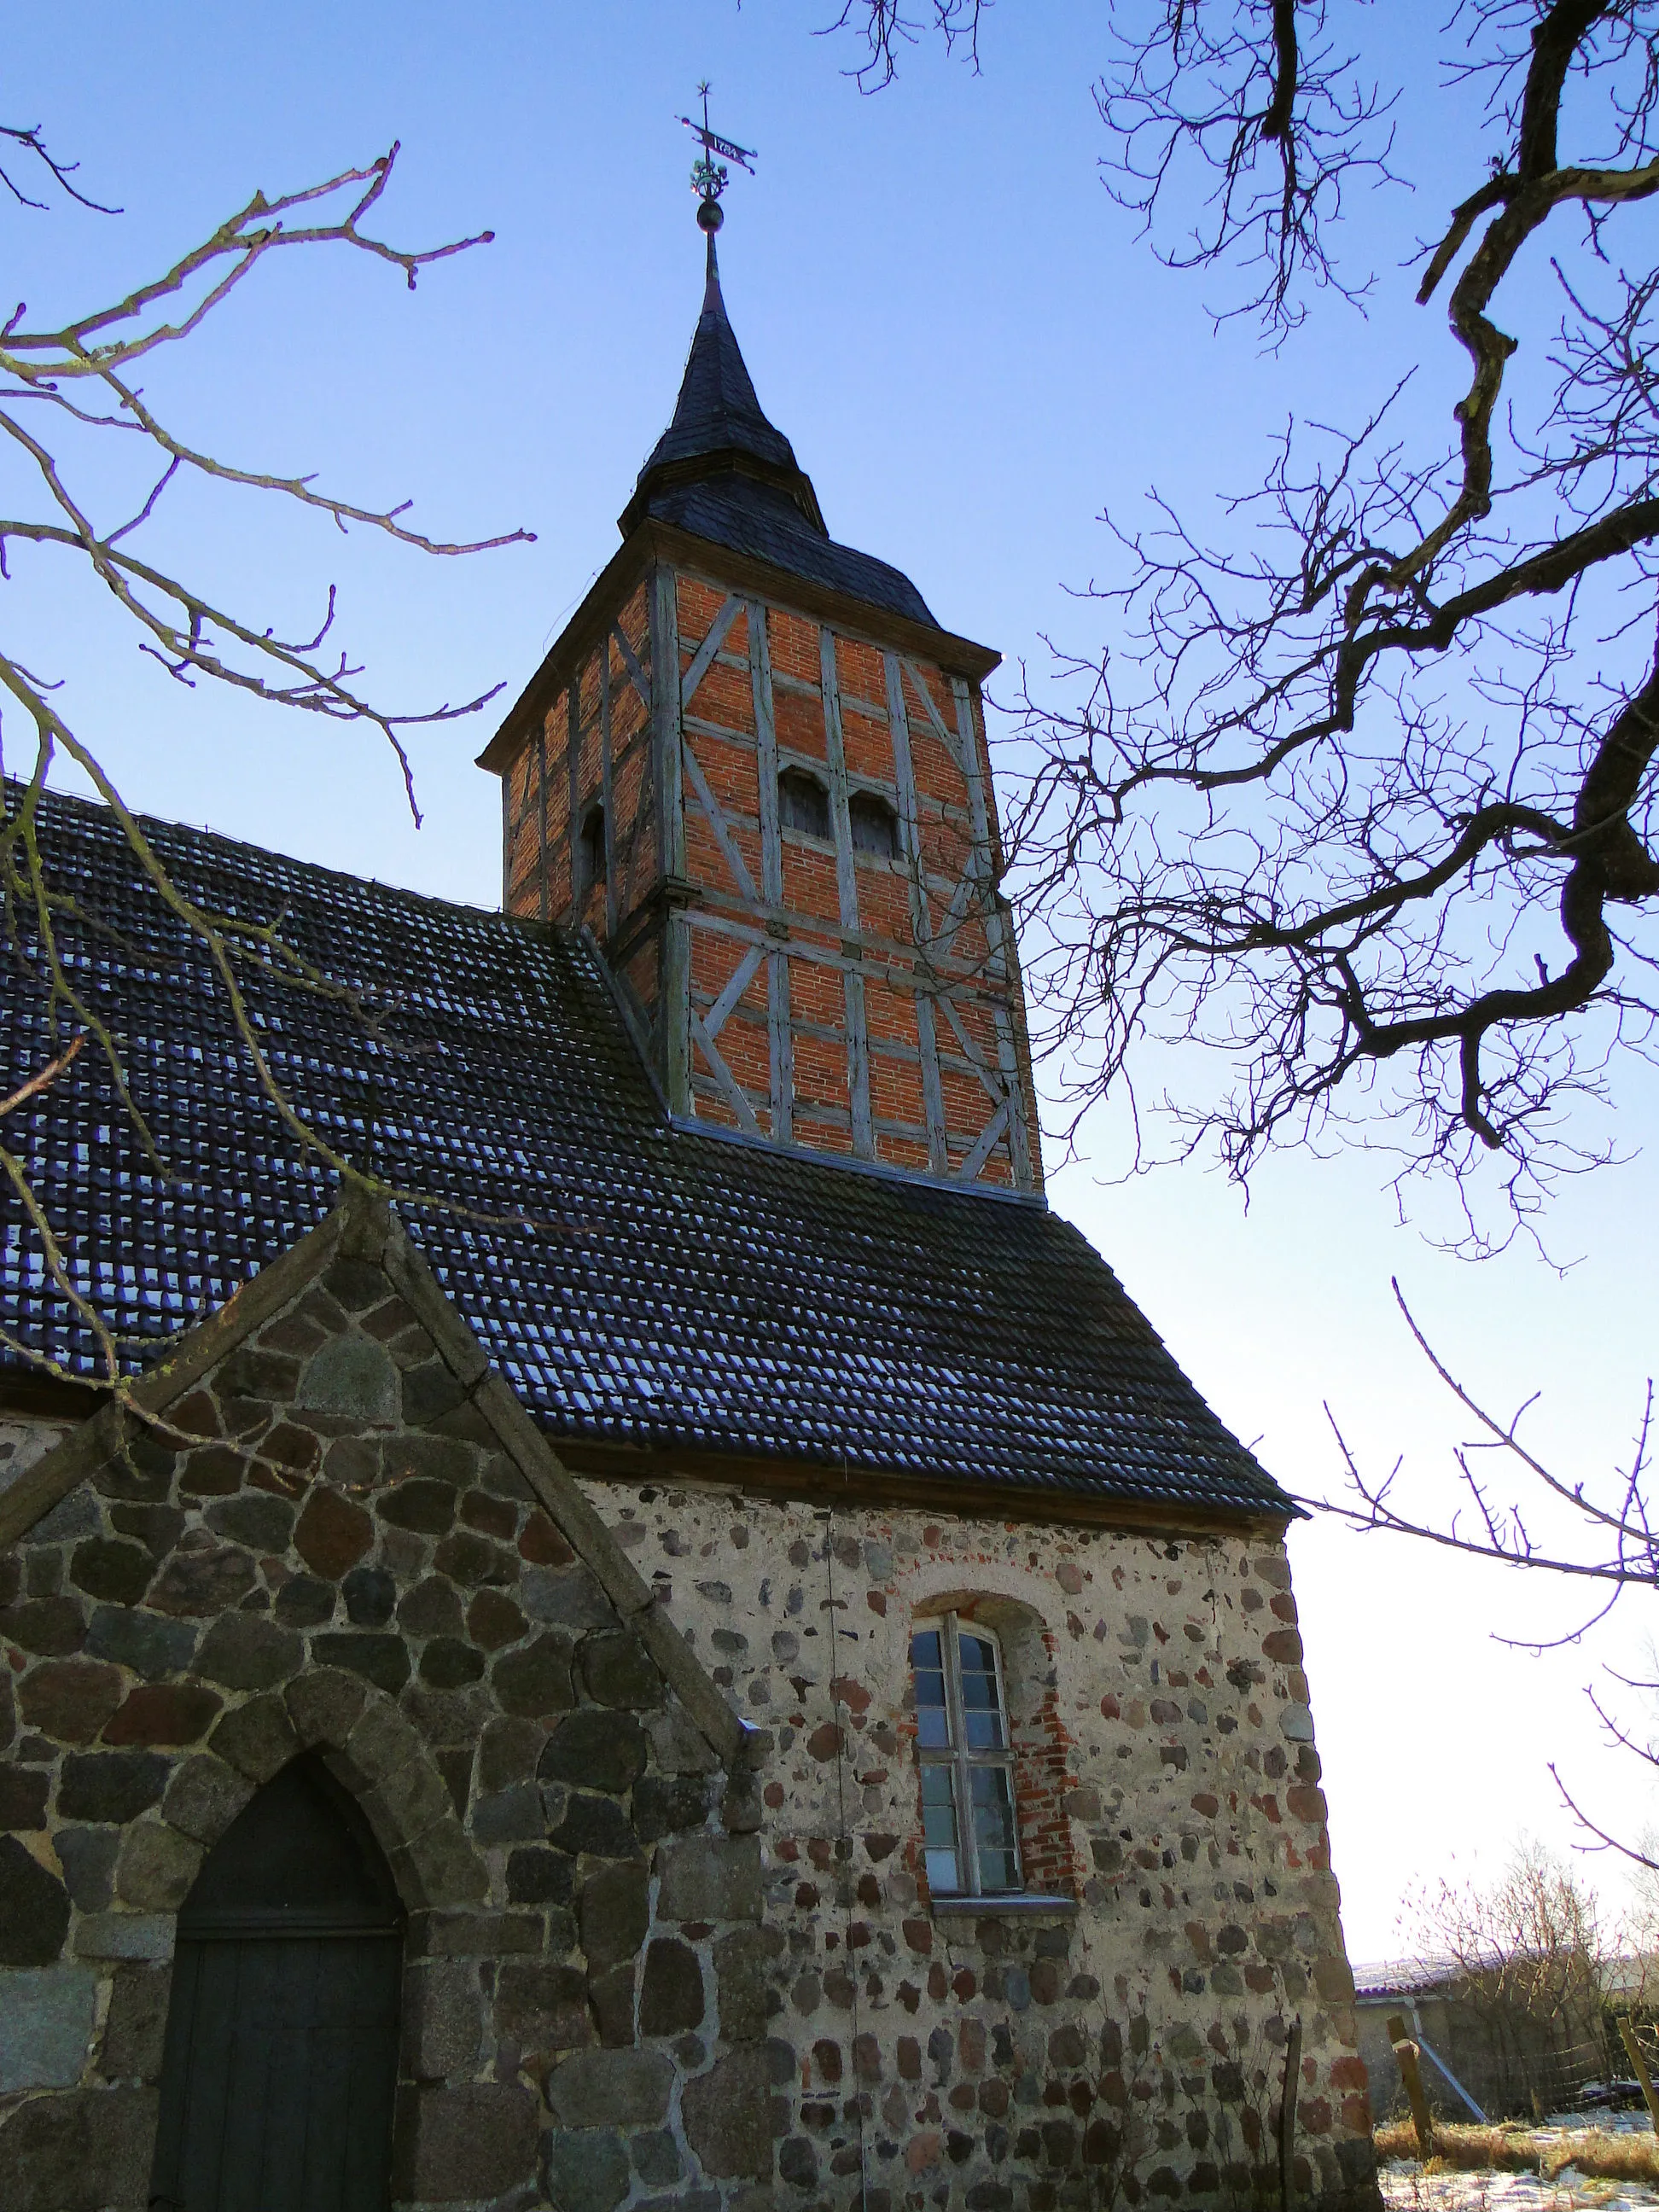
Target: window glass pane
<point>938,1828</point>
<point>944,1876</point>
<point>980,1706</point>
<point>994,1829</point>
<point>932,1723</point>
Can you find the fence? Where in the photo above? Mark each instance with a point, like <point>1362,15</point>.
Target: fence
<point>1493,2063</point>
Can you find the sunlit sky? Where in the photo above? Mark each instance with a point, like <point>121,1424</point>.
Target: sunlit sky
<point>974,356</point>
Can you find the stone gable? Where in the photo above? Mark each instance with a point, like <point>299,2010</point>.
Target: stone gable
<point>332,1537</point>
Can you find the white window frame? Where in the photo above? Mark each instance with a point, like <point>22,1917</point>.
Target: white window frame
<point>955,1754</point>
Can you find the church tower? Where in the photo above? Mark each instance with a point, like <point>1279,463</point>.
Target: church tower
<point>754,767</point>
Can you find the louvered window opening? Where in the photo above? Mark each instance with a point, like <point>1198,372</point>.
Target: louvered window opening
<point>803,803</point>
<point>874,826</point>
<point>971,1841</point>
<point>592,867</point>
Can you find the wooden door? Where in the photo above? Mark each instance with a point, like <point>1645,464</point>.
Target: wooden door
<point>281,2060</point>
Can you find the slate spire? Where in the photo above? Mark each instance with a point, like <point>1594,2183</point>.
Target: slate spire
<point>719,426</point>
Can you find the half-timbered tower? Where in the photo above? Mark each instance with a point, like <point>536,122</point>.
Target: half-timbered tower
<point>753,766</point>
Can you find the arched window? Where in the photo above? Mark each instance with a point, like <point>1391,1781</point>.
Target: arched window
<point>875,826</point>
<point>281,2060</point>
<point>970,1842</point>
<point>803,802</point>
<point>591,863</point>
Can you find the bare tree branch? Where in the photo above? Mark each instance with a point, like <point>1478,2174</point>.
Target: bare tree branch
<point>1602,1534</point>
<point>1604,1841</point>
<point>31,143</point>
<point>42,1079</point>
<point>885,26</point>
<point>195,634</point>
<point>1621,1541</point>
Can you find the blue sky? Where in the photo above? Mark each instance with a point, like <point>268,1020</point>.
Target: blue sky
<point>973,355</point>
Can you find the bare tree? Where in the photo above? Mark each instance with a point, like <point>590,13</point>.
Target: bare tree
<point>1530,1953</point>
<point>77,380</point>
<point>1601,1534</point>
<point>1361,797</point>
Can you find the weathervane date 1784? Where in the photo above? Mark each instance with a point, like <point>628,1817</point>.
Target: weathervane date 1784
<point>709,177</point>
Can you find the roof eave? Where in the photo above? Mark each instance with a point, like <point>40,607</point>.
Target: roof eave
<point>653,540</point>
<point>732,461</point>
<point>799,1477</point>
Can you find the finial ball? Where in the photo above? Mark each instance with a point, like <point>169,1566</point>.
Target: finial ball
<point>710,214</point>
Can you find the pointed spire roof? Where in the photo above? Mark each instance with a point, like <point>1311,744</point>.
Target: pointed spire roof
<point>722,471</point>
<point>719,425</point>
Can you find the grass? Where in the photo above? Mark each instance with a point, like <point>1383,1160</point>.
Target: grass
<point>1595,2154</point>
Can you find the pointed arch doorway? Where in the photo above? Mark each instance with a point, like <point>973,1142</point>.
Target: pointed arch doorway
<point>281,2059</point>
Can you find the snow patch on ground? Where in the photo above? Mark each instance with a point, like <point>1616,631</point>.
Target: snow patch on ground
<point>1406,2188</point>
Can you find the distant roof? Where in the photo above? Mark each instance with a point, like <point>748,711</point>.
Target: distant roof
<point>1635,1972</point>
<point>723,471</point>
<point>638,1284</point>
<point>1404,1977</point>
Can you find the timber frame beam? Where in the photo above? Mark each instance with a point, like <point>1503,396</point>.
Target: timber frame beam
<point>659,542</point>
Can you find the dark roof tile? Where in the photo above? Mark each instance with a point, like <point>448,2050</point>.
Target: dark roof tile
<point>722,471</point>
<point>763,523</point>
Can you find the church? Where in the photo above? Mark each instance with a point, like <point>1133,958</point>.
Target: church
<point>677,1640</point>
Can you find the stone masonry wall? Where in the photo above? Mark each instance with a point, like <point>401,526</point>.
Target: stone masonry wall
<point>348,1560</point>
<point>24,1439</point>
<point>633,1977</point>
<point>1129,2043</point>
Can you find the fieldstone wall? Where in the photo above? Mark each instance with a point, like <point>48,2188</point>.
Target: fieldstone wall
<point>1127,2042</point>
<point>345,1557</point>
<point>23,1440</point>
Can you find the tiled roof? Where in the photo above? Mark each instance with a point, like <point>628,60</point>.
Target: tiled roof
<point>1403,1978</point>
<point>758,521</point>
<point>650,1287</point>
<point>717,410</point>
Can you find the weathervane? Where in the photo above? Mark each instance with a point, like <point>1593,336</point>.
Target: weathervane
<point>709,177</point>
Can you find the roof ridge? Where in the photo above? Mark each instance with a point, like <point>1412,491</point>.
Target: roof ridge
<point>526,925</point>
